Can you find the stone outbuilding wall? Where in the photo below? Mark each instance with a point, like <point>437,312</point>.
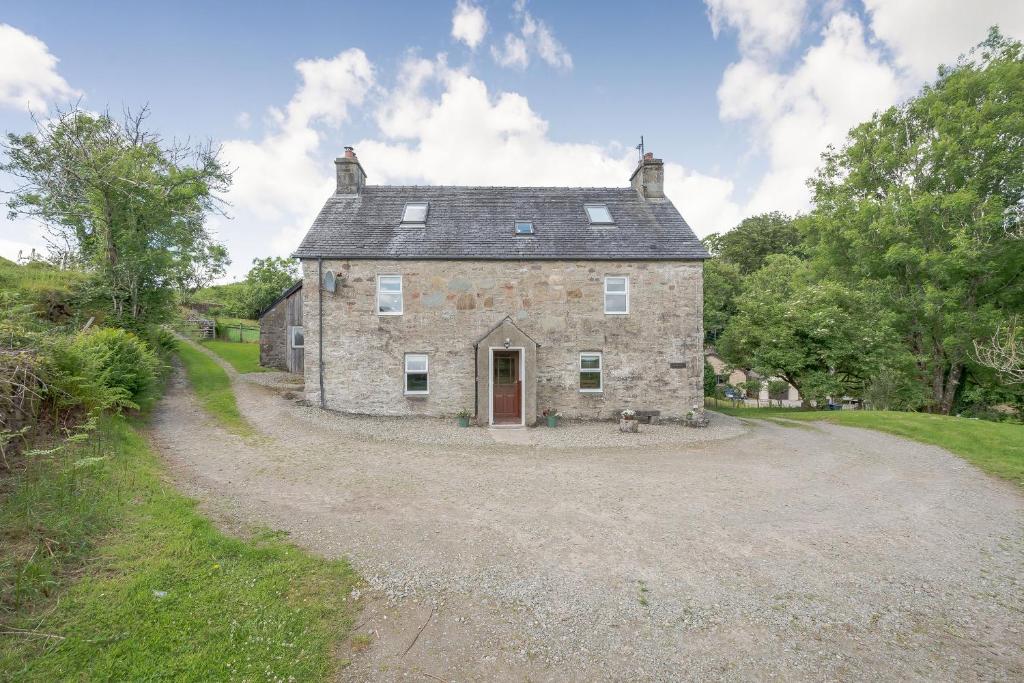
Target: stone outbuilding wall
<point>275,343</point>
<point>652,357</point>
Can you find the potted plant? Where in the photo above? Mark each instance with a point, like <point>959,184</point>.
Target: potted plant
<point>463,417</point>
<point>696,417</point>
<point>628,422</point>
<point>552,416</point>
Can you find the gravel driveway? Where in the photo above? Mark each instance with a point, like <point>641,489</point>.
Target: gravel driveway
<point>747,551</point>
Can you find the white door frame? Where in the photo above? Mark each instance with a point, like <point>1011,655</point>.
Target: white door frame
<point>490,384</point>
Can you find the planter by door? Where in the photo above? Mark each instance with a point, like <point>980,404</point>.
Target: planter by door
<point>506,388</point>
<point>552,420</point>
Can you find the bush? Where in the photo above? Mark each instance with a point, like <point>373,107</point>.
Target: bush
<point>163,341</point>
<point>117,359</point>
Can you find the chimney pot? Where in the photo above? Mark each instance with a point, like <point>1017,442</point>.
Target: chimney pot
<point>649,177</point>
<point>350,153</point>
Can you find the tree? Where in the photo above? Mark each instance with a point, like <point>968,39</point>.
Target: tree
<point>710,381</point>
<point>920,206</point>
<point>1004,352</point>
<point>820,336</point>
<point>722,282</point>
<point>126,206</point>
<point>748,244</point>
<point>266,280</point>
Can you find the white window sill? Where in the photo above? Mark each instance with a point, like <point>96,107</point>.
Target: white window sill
<point>388,314</point>
<point>417,393</point>
<point>591,391</point>
<point>616,312</point>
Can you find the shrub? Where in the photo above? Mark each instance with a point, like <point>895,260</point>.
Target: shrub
<point>163,341</point>
<point>117,359</point>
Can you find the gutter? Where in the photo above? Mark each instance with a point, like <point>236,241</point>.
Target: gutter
<point>476,379</point>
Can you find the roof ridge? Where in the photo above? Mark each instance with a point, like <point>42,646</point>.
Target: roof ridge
<point>501,187</point>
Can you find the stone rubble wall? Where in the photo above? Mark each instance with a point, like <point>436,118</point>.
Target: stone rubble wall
<point>449,305</point>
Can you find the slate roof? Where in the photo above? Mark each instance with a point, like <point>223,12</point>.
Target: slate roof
<point>477,223</point>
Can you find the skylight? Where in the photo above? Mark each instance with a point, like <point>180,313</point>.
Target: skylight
<point>415,212</point>
<point>524,228</point>
<point>598,214</point>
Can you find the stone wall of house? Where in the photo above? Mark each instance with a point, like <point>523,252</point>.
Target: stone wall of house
<point>274,337</point>
<point>450,305</point>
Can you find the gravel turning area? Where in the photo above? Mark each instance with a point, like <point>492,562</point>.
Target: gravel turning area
<point>746,551</point>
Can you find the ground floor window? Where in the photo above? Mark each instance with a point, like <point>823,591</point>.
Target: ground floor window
<point>416,373</point>
<point>295,337</point>
<point>590,371</point>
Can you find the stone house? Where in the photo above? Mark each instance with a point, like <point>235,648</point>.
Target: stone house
<point>281,332</point>
<point>502,301</point>
<point>726,375</point>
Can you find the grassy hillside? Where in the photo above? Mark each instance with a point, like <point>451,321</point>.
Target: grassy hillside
<point>996,447</point>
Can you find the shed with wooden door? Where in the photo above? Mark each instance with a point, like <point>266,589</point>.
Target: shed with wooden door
<point>282,339</point>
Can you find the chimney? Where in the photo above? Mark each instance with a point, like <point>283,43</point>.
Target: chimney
<point>350,173</point>
<point>649,177</point>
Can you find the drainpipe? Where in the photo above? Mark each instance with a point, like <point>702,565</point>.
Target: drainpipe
<point>476,378</point>
<point>320,326</point>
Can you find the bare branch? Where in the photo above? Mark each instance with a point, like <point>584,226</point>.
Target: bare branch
<point>1004,352</point>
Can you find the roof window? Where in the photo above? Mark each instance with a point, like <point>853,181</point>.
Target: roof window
<point>598,214</point>
<point>524,228</point>
<point>415,212</point>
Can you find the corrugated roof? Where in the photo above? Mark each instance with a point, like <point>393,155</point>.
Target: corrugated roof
<point>477,223</point>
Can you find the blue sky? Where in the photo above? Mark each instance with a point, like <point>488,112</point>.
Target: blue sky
<point>738,96</point>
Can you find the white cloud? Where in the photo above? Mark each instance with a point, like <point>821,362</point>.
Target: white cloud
<point>28,72</point>
<point>925,33</point>
<point>244,120</point>
<point>513,53</point>
<point>467,135</point>
<point>469,23</point>
<point>280,181</point>
<point>855,68</point>
<point>534,35</point>
<point>794,116</point>
<point>763,27</point>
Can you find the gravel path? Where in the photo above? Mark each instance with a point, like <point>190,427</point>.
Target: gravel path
<point>741,552</point>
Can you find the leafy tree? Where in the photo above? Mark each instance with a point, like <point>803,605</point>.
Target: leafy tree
<point>921,206</point>
<point>126,206</point>
<point>722,282</point>
<point>709,379</point>
<point>266,280</point>
<point>748,244</point>
<point>820,336</point>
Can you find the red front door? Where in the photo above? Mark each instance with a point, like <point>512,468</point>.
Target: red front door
<point>506,388</point>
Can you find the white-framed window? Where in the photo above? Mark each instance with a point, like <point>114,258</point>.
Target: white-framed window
<point>296,340</point>
<point>591,376</point>
<point>389,295</point>
<point>415,212</point>
<point>416,367</point>
<point>598,214</point>
<point>616,295</point>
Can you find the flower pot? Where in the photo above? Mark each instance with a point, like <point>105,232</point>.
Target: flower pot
<point>629,426</point>
<point>463,421</point>
<point>552,420</point>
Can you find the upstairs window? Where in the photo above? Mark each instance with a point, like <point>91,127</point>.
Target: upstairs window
<point>598,214</point>
<point>389,295</point>
<point>524,228</point>
<point>616,295</point>
<point>415,212</point>
<point>416,374</point>
<point>590,371</point>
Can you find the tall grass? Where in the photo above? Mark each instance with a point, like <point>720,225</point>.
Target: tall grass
<point>149,589</point>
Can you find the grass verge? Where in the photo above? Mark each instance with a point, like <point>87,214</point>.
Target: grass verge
<point>995,447</point>
<point>116,576</point>
<point>213,388</point>
<point>243,357</point>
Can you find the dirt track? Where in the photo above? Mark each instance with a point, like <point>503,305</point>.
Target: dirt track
<point>814,552</point>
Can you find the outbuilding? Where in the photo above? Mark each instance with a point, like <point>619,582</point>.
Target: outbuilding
<point>282,342</point>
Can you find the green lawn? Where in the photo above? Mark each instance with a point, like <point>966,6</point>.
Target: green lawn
<point>996,447</point>
<point>213,388</point>
<point>243,357</point>
<point>109,574</point>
